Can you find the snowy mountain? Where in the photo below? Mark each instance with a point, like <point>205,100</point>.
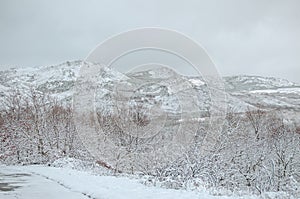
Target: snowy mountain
<point>243,92</point>
<point>248,159</point>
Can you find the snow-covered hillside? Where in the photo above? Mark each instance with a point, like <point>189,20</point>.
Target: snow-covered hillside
<point>243,92</point>
<point>30,182</point>
<point>250,156</point>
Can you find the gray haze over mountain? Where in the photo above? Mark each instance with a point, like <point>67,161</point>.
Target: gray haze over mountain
<point>257,37</point>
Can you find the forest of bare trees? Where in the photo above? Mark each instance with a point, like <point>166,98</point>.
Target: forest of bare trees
<point>36,128</point>
<point>256,152</point>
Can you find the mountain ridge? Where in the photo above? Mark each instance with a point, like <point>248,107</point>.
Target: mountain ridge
<point>242,91</point>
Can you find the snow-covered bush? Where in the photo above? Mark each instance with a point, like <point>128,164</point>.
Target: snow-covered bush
<point>36,128</point>
<point>256,152</point>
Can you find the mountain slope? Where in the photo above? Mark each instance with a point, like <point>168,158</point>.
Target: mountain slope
<point>243,92</point>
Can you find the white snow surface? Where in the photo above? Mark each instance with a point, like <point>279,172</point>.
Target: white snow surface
<point>50,182</point>
<point>197,82</point>
<point>295,90</point>
<point>59,81</point>
<point>33,186</point>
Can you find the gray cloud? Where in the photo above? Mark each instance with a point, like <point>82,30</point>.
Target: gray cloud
<point>259,37</point>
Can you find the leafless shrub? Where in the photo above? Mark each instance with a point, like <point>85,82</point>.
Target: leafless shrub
<point>36,128</point>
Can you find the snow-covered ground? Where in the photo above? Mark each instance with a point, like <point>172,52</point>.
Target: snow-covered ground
<point>20,183</point>
<point>50,182</point>
<point>293,90</point>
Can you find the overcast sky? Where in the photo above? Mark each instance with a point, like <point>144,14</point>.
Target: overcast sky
<point>257,37</point>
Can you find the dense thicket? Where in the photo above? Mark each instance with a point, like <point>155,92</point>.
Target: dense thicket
<point>36,128</point>
<point>257,151</point>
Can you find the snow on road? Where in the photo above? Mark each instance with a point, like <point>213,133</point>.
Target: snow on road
<point>21,184</point>
<point>49,182</point>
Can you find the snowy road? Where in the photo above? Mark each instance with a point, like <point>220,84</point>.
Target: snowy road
<point>32,182</point>
<point>15,183</point>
